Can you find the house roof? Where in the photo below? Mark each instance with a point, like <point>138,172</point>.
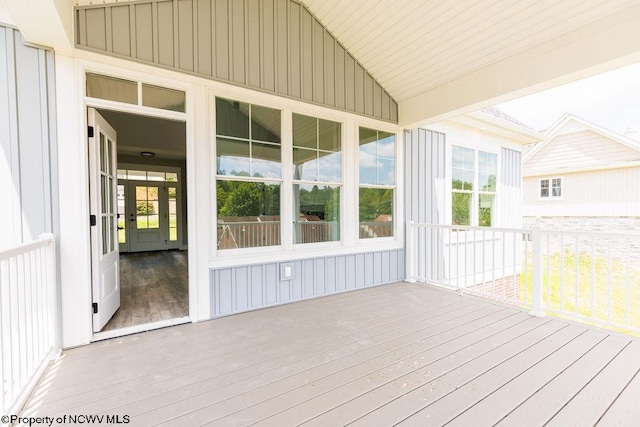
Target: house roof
<point>437,59</point>
<point>496,121</point>
<point>496,112</point>
<point>583,152</point>
<point>566,118</point>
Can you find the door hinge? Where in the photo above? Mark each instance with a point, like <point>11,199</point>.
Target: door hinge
<point>92,220</point>
<point>90,131</point>
<point>94,306</point>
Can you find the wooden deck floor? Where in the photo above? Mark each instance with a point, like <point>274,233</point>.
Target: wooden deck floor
<point>405,354</point>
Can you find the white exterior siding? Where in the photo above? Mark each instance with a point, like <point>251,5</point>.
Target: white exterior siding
<point>582,149</point>
<point>610,192</point>
<point>509,188</point>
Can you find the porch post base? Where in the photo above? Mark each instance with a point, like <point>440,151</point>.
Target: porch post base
<point>537,313</point>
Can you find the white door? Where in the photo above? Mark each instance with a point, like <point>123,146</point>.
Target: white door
<point>148,222</point>
<point>104,222</point>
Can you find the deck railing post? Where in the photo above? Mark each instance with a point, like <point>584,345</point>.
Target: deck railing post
<point>536,272</point>
<point>409,253</point>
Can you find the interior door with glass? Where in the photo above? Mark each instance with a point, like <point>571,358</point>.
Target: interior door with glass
<point>104,222</point>
<point>148,220</point>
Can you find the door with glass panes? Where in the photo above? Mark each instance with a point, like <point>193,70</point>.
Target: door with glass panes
<point>148,211</point>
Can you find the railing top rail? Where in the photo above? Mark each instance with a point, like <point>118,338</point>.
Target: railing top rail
<point>624,236</point>
<point>247,223</point>
<point>43,240</point>
<point>469,228</point>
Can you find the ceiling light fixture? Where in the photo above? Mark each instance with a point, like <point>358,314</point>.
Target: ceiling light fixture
<point>147,154</point>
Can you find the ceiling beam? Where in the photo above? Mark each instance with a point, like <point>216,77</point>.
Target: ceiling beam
<point>609,43</point>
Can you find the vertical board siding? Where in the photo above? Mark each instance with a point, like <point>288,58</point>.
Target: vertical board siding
<point>425,160</point>
<point>510,191</point>
<point>242,288</point>
<point>27,139</point>
<point>273,45</point>
<point>425,186</point>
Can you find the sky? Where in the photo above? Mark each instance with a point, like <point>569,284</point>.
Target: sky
<point>611,100</point>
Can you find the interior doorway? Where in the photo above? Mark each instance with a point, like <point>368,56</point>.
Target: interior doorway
<point>139,244</point>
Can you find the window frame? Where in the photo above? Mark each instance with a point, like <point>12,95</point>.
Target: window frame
<point>304,182</point>
<point>475,192</point>
<point>394,187</point>
<point>349,244</point>
<point>240,178</point>
<point>550,195</point>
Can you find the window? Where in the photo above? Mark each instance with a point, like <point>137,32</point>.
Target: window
<point>473,185</point>
<point>249,174</point>
<point>377,179</point>
<point>551,188</point>
<point>317,179</point>
<point>121,90</point>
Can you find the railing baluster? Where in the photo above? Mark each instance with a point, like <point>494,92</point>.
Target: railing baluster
<point>513,268</point>
<point>609,298</point>
<point>628,287</point>
<point>593,280</point>
<point>484,281</point>
<point>577,266</point>
<point>504,261</point>
<point>562,272</point>
<point>536,267</point>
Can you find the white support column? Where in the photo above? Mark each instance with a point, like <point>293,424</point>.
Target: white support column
<point>536,268</point>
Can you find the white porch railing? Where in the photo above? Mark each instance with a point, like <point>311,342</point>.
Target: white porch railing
<point>589,276</point>
<point>27,318</point>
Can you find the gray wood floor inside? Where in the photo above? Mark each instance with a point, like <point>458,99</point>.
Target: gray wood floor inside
<point>154,286</point>
<point>407,354</point>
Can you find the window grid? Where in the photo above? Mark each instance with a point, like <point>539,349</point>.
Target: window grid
<point>550,188</point>
<point>248,199</point>
<point>473,186</point>
<point>376,197</point>
<point>316,196</point>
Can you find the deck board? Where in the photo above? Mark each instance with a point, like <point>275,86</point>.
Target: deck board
<point>544,404</point>
<point>400,353</point>
<point>594,400</point>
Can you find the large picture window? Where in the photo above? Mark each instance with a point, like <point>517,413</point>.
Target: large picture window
<point>317,179</point>
<point>249,174</point>
<point>377,183</point>
<point>473,187</point>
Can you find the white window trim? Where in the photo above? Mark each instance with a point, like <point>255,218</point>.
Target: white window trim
<point>340,185</point>
<point>474,193</point>
<point>397,200</point>
<point>551,196</point>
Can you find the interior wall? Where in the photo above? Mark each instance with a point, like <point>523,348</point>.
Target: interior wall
<point>182,164</point>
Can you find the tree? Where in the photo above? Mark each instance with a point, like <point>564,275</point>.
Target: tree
<point>243,200</point>
<point>375,202</point>
<point>460,209</point>
<point>144,208</point>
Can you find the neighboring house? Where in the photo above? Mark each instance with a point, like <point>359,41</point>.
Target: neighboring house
<point>162,124</point>
<point>582,177</point>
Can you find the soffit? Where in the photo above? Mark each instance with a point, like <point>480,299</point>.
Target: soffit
<point>413,46</point>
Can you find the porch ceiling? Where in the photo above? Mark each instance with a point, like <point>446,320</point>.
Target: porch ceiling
<point>413,46</point>
<point>439,59</point>
<point>418,47</point>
